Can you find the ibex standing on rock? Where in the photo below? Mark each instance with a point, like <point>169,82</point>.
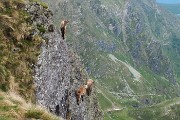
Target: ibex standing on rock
<point>63,27</point>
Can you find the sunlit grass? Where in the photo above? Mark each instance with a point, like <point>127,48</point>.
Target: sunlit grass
<point>18,54</point>
<point>12,106</point>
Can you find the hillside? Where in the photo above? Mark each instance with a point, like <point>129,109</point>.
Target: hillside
<point>14,107</point>
<point>18,54</point>
<point>129,47</point>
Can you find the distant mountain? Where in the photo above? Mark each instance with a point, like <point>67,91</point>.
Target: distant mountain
<point>168,1</point>
<point>174,8</point>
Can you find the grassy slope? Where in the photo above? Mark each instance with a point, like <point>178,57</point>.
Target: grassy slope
<point>18,54</point>
<point>14,107</point>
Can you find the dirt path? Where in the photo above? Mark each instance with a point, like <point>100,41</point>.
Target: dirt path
<point>135,73</point>
<point>136,94</point>
<point>114,109</point>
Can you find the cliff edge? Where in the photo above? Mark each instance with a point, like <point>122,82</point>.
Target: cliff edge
<point>59,73</point>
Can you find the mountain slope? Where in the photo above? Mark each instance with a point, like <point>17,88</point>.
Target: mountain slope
<point>129,47</point>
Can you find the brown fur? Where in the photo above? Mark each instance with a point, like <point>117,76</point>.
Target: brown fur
<point>63,27</point>
<point>89,86</point>
<point>80,92</point>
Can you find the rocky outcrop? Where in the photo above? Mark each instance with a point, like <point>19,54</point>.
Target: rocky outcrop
<point>59,73</point>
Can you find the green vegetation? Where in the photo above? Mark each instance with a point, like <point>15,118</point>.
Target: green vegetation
<point>41,28</point>
<point>33,113</point>
<point>104,103</point>
<point>119,115</point>
<point>18,51</point>
<point>39,113</point>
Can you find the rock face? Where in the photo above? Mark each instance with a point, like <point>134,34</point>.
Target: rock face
<point>59,73</point>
